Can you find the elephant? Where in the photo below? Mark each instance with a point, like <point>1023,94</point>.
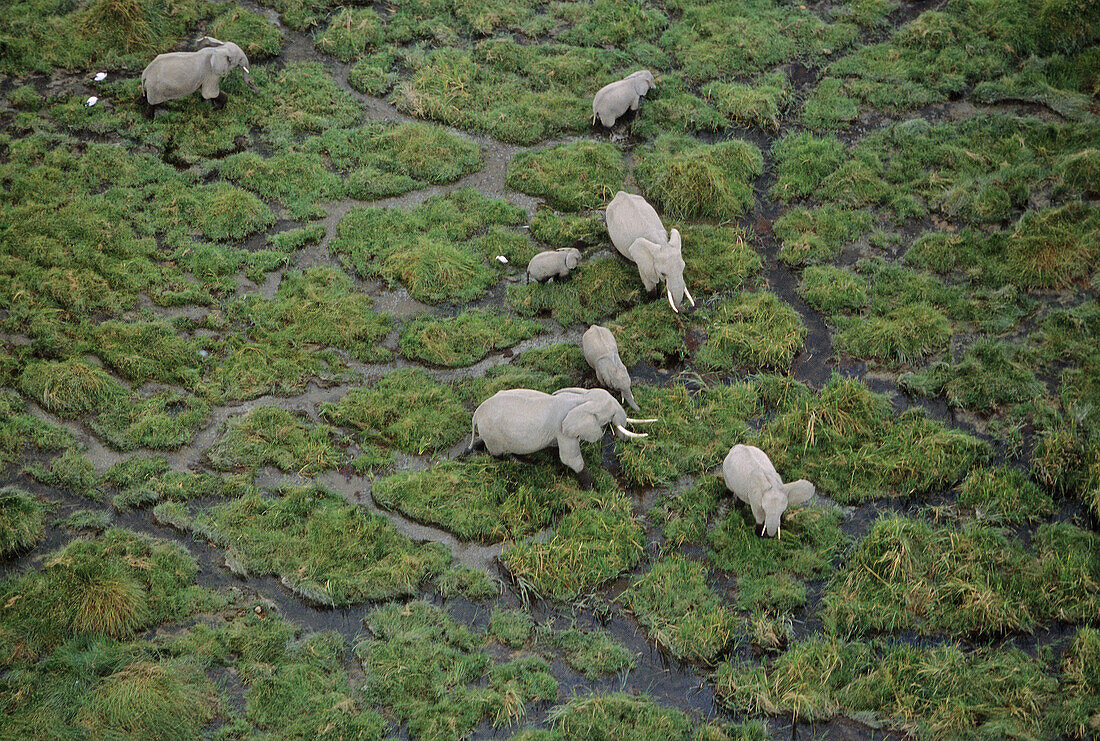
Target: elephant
<point>521,421</point>
<point>750,475</point>
<point>178,74</point>
<point>602,353</point>
<point>553,264</point>
<point>639,236</point>
<point>612,101</point>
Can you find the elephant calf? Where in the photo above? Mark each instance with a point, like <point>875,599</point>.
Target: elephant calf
<point>178,74</point>
<point>750,475</point>
<point>612,101</point>
<point>553,264</point>
<point>639,236</point>
<point>521,421</point>
<point>602,353</point>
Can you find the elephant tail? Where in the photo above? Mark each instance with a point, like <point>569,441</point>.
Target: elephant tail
<point>473,432</point>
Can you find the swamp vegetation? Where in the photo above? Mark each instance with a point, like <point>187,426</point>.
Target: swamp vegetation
<point>240,348</point>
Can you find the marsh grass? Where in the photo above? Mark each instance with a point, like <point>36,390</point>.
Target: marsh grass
<point>464,339</point>
<point>21,431</point>
<point>327,551</point>
<point>273,436</point>
<point>1080,685</point>
<point>403,409</point>
<point>350,33</point>
<point>903,336</point>
<point>298,180</point>
<point>849,442</point>
<point>986,379</point>
<point>414,152</point>
<point>87,519</point>
<point>472,584</point>
<point>718,258</point>
<point>70,388</point>
<point>636,717</point>
<point>22,522</point>
<point>649,333</point>
<point>599,288</point>
<point>567,230</point>
<point>71,471</point>
<point>681,612</point>
<point>906,574</point>
<point>1004,494</point>
<point>571,177</point>
<point>940,691</point>
<point>595,542</point>
<point>684,178</point>
<point>258,37</point>
<point>760,104</point>
<point>593,653</point>
<point>482,498</point>
<point>430,249</point>
<point>811,237</point>
<point>146,351</point>
<point>513,628</point>
<point>831,290</point>
<point>756,330</point>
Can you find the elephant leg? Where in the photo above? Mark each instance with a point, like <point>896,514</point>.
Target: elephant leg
<point>569,450</point>
<point>634,105</point>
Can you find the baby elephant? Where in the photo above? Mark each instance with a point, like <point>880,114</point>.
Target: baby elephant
<point>752,477</point>
<point>613,100</point>
<point>178,74</point>
<point>553,264</point>
<point>602,353</point>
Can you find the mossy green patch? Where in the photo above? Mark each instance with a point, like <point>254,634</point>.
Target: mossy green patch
<point>598,288</point>
<point>718,258</point>
<point>71,471</point>
<point>350,33</point>
<point>22,523</point>
<point>511,627</point>
<point>270,436</point>
<point>680,611</point>
<point>1004,494</point>
<point>572,176</point>
<point>593,653</point>
<point>684,178</point>
<point>258,37</point>
<point>298,180</point>
<point>1080,685</point>
<point>832,290</point>
<point>462,581</point>
<point>760,104</point>
<point>21,431</point>
<point>987,378</point>
<point>811,237</point>
<point>464,339</point>
<point>756,330</point>
<point>649,333</point>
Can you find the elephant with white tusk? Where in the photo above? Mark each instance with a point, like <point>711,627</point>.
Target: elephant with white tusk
<point>750,475</point>
<point>178,74</point>
<point>638,234</point>
<point>612,101</point>
<point>553,264</point>
<point>521,421</point>
<point>602,353</point>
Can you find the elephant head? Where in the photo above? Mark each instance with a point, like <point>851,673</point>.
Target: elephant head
<point>225,56</point>
<point>662,263</point>
<point>642,81</point>
<point>594,409</point>
<point>572,256</point>
<point>774,500</point>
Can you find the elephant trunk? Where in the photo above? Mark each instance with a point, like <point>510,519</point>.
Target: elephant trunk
<point>675,288</point>
<point>629,397</point>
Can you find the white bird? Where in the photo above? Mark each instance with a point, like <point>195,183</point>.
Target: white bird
<point>503,259</point>
<point>100,76</point>
<point>91,102</point>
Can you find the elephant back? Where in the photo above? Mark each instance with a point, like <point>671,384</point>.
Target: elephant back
<point>630,217</point>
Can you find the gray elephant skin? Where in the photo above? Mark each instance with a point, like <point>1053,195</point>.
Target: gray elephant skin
<point>178,74</point>
<point>522,421</point>
<point>602,353</point>
<point>750,475</point>
<point>639,236</point>
<point>612,101</point>
<point>553,264</point>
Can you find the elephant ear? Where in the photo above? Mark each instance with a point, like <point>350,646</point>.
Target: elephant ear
<point>582,422</point>
<point>798,492</point>
<point>642,252</point>
<point>674,239</point>
<point>219,61</point>
<point>641,85</point>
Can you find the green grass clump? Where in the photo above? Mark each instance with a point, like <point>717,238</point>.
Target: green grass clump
<point>147,351</point>
<point>674,603</point>
<point>597,289</point>
<point>326,550</point>
<point>906,574</point>
<point>903,336</point>
<point>482,498</point>
<point>272,436</point>
<point>258,37</point>
<point>142,481</point>
<point>752,329</point>
<point>462,581</point>
<point>298,180</point>
<point>71,471</point>
<point>429,249</point>
<point>593,653</point>
<point>21,520</point>
<point>114,585</point>
<point>939,692</point>
<point>1056,247</point>
<point>595,542</point>
<point>1004,494</point>
<point>831,290</point>
<point>649,333</point>
<point>816,236</point>
<point>511,627</point>
<point>88,519</point>
<point>415,153</point>
<point>985,379</point>
<point>227,212</point>
<point>695,431</point>
<point>767,567</point>
<point>405,409</point>
<point>424,668</point>
<point>684,178</point>
<point>684,516</point>
<point>374,74</point>
<point>572,176</point>
<point>760,104</point>
<point>637,717</point>
<point>70,388</point>
<point>718,258</point>
<point>802,162</point>
<point>1080,685</point>
<point>150,699</point>
<point>851,444</point>
<point>20,431</point>
<point>352,32</point>
<point>465,339</point>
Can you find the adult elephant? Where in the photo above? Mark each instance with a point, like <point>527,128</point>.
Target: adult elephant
<point>521,421</point>
<point>639,236</point>
<point>178,74</point>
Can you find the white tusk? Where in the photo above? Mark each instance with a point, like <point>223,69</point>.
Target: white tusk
<point>763,528</point>
<point>628,433</point>
<point>640,421</point>
<point>779,532</point>
<point>688,294</point>
<point>670,302</point>
<point>245,69</point>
